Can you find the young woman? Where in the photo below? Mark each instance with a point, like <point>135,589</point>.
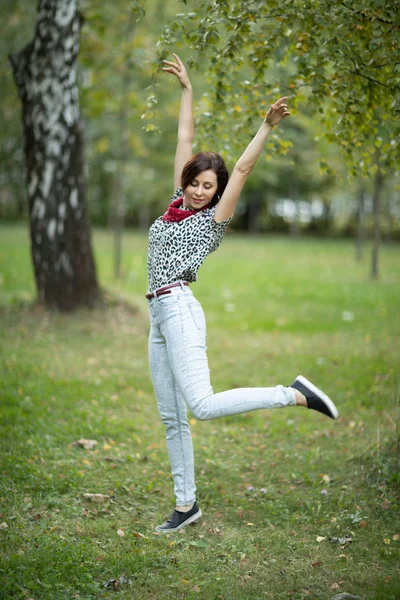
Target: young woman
<point>179,241</point>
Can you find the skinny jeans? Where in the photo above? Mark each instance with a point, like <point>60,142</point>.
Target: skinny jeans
<point>181,379</point>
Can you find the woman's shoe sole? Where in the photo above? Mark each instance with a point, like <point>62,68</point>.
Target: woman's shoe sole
<point>191,519</point>
<point>313,388</point>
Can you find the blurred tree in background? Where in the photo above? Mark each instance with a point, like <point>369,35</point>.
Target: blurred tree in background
<point>343,59</point>
<point>45,72</point>
<point>338,63</point>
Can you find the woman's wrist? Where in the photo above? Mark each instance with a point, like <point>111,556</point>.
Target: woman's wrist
<point>269,125</point>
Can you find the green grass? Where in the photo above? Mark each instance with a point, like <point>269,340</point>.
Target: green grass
<point>275,308</point>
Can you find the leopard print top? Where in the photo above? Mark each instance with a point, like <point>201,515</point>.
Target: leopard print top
<point>177,250</point>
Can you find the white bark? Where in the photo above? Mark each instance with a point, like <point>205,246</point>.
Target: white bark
<point>46,74</point>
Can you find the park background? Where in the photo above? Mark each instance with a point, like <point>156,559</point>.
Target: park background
<point>306,280</point>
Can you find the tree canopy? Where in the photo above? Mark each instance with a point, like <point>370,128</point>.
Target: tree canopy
<point>342,57</point>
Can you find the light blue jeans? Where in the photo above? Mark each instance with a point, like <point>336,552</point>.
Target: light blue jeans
<point>181,378</point>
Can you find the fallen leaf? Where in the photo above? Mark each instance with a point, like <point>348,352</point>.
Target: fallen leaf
<point>111,583</point>
<point>343,541</point>
<point>137,534</point>
<point>335,586</point>
<point>96,497</point>
<point>320,538</point>
<point>86,444</point>
<point>385,504</point>
<point>121,532</point>
<point>116,583</point>
<point>318,563</point>
<point>3,526</point>
<point>362,524</point>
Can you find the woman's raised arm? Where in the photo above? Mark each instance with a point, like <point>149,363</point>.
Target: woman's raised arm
<point>186,122</point>
<point>226,206</point>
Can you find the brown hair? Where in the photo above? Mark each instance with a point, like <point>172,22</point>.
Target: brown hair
<point>202,161</point>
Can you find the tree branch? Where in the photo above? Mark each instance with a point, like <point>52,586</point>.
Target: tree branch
<point>364,16</point>
<point>369,78</point>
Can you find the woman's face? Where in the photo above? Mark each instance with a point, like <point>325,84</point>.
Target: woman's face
<point>201,190</point>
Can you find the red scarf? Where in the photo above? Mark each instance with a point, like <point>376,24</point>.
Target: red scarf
<point>175,214</point>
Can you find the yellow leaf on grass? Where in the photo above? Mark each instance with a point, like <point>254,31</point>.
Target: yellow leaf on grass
<point>320,538</point>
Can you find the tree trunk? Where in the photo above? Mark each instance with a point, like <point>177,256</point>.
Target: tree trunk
<point>45,72</point>
<point>378,187</point>
<point>253,212</point>
<point>144,217</point>
<point>118,203</point>
<point>360,235</point>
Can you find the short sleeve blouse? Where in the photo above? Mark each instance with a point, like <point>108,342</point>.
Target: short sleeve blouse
<point>178,249</point>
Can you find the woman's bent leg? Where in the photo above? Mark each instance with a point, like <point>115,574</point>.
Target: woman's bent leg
<point>184,329</point>
<point>173,412</point>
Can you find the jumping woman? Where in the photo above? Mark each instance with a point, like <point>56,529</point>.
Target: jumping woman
<point>193,226</point>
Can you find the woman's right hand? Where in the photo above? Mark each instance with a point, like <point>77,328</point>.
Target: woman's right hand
<point>178,69</point>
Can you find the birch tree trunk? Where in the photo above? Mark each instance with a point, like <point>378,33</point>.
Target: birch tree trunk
<point>45,72</point>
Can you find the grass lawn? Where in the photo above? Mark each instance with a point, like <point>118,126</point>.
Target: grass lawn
<point>294,505</point>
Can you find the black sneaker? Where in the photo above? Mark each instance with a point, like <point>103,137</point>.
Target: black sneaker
<point>180,519</point>
<point>316,399</point>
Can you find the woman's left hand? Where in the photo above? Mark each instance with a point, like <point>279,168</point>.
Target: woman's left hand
<point>178,69</point>
<point>277,112</point>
